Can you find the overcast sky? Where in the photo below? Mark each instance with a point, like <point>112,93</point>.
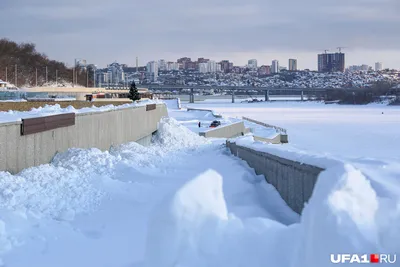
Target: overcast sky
<point>104,31</point>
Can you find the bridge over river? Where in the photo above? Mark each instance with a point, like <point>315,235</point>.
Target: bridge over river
<point>266,91</point>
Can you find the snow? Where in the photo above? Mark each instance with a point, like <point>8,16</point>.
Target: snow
<point>191,118</point>
<point>186,201</point>
<point>14,100</point>
<point>287,152</point>
<point>172,103</point>
<point>47,110</point>
<point>344,131</point>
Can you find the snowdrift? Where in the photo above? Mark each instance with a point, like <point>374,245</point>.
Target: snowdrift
<point>345,215</point>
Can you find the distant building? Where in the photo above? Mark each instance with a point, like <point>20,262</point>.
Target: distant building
<point>275,66</point>
<point>152,70</point>
<point>101,78</point>
<point>184,59</point>
<point>203,67</point>
<point>219,68</point>
<point>334,62</point>
<point>187,63</point>
<point>115,73</point>
<point>378,66</point>
<point>162,65</point>
<point>226,66</point>
<point>252,63</point>
<point>264,70</point>
<point>172,66</point>
<point>202,60</point>
<point>364,67</point>
<point>211,66</point>
<point>354,68</point>
<point>292,64</point>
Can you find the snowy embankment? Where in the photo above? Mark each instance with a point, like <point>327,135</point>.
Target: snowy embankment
<point>345,131</point>
<point>192,118</point>
<point>48,110</point>
<point>185,201</point>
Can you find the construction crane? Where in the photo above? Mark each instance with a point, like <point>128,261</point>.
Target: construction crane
<point>326,50</point>
<point>340,48</point>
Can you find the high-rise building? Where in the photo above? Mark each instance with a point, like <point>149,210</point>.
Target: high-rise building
<point>203,67</point>
<point>252,63</point>
<point>152,70</point>
<point>275,66</point>
<point>115,73</point>
<point>202,60</point>
<point>226,66</point>
<point>162,64</point>
<point>211,66</point>
<point>334,62</point>
<point>219,68</point>
<point>172,66</point>
<point>292,64</point>
<point>378,66</point>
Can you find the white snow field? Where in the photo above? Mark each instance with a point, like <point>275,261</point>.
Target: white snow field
<point>185,201</point>
<point>337,130</point>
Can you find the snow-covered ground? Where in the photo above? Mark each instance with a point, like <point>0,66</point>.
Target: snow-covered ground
<point>47,110</point>
<point>185,201</point>
<point>371,131</point>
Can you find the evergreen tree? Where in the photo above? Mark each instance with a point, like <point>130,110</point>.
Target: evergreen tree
<point>133,92</point>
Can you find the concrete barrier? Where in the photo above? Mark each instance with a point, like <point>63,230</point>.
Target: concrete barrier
<point>208,110</point>
<point>276,140</point>
<point>226,131</point>
<point>283,137</point>
<point>98,129</point>
<point>293,180</point>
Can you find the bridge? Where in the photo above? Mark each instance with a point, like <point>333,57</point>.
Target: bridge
<point>267,91</point>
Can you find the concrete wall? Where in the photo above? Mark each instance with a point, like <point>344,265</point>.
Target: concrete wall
<point>97,129</point>
<point>275,140</point>
<point>226,131</point>
<point>208,110</point>
<point>294,181</point>
<point>283,137</point>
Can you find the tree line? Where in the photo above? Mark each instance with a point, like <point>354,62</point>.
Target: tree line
<point>365,95</point>
<point>20,63</point>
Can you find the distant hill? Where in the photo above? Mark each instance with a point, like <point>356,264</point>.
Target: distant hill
<point>28,60</point>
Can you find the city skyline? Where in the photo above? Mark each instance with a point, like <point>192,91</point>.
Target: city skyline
<point>71,29</point>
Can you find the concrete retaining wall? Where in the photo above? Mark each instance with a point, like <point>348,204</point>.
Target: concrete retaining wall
<point>294,181</point>
<point>283,137</point>
<point>226,131</point>
<point>97,129</point>
<point>275,140</point>
<point>208,110</point>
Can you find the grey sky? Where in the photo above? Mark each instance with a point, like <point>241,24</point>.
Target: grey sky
<point>104,31</point>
